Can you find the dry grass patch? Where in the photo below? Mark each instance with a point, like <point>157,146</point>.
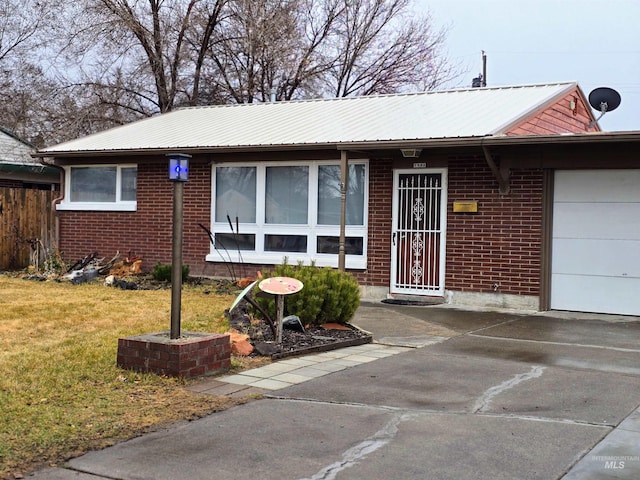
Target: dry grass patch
<point>60,390</point>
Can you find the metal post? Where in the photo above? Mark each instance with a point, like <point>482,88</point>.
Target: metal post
<point>176,259</point>
<point>484,69</point>
<point>344,182</point>
<point>279,317</point>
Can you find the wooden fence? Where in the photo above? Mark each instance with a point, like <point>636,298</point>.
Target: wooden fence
<point>28,227</point>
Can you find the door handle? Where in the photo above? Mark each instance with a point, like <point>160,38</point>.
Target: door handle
<point>394,239</point>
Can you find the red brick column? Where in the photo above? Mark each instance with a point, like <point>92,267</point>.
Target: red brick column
<point>192,355</point>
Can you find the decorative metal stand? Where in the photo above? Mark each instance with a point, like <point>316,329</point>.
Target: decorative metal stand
<point>280,286</point>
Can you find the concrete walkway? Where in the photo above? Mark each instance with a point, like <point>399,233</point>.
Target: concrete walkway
<point>443,394</point>
<point>292,371</point>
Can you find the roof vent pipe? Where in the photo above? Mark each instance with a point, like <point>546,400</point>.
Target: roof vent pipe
<point>273,95</point>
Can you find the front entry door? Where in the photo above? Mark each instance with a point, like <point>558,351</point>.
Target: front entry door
<point>418,231</point>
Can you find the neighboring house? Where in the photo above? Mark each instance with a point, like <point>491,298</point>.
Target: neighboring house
<point>18,169</point>
<point>27,190</point>
<point>487,196</point>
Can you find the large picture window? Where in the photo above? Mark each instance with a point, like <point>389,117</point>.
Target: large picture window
<point>100,187</point>
<point>267,211</point>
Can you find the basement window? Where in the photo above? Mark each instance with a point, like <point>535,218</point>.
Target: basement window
<point>267,211</point>
<point>100,187</point>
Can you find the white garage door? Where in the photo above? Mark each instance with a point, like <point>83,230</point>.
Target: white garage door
<point>596,241</point>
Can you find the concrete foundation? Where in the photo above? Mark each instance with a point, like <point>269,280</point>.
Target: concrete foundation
<point>462,299</point>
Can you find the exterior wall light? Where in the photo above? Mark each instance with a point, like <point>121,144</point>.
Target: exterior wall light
<point>411,152</point>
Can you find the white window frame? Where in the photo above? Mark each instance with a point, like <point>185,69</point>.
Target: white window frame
<point>311,229</point>
<point>117,206</point>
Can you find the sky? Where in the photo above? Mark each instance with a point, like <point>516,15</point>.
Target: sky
<point>593,42</point>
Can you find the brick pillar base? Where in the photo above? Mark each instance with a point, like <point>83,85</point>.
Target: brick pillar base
<point>191,355</point>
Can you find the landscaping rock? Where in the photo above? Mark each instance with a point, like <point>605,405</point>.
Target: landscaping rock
<point>240,344</point>
<point>267,349</point>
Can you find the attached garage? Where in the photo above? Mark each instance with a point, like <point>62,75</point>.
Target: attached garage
<point>595,259</point>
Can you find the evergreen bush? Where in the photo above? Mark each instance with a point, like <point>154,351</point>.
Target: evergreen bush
<point>329,295</point>
<point>162,272</point>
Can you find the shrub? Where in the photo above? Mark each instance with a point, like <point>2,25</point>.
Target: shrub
<point>162,272</point>
<point>328,295</point>
<point>54,263</point>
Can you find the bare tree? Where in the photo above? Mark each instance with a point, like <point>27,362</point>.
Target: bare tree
<point>307,66</point>
<point>25,27</point>
<point>262,49</point>
<point>20,23</point>
<point>379,48</point>
<point>302,48</point>
<point>102,63</point>
<point>177,52</point>
<point>148,53</point>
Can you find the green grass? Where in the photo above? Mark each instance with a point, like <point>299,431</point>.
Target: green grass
<point>61,392</point>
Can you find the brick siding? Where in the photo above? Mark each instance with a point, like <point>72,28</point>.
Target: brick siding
<point>500,244</point>
<point>148,231</point>
<point>193,355</point>
<point>379,227</point>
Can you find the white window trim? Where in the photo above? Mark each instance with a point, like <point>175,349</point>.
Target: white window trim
<point>117,206</point>
<point>310,230</point>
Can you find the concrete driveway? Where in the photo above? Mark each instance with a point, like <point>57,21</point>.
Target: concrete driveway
<point>485,396</point>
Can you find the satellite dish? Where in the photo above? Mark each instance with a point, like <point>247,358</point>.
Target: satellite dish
<point>604,99</point>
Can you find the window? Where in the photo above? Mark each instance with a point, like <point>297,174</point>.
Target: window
<point>287,195</point>
<point>102,187</point>
<point>329,195</point>
<point>265,212</point>
<point>235,194</point>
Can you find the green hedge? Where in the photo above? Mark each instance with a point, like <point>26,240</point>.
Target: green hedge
<point>328,295</point>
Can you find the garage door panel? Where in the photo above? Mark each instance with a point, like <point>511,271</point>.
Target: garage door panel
<point>596,294</point>
<point>597,220</point>
<point>609,185</point>
<point>597,257</point>
<point>595,265</point>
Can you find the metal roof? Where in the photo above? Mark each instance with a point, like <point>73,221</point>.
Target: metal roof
<point>462,113</point>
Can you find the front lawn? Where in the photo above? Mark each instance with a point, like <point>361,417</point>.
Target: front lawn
<point>60,390</point>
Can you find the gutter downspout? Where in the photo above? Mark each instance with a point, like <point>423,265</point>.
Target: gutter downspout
<point>56,200</point>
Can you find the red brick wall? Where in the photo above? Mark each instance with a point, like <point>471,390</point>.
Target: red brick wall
<point>379,228</point>
<point>501,243</point>
<point>197,355</point>
<point>558,118</point>
<point>148,230</point>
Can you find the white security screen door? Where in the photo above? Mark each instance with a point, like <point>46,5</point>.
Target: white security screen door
<point>418,231</point>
